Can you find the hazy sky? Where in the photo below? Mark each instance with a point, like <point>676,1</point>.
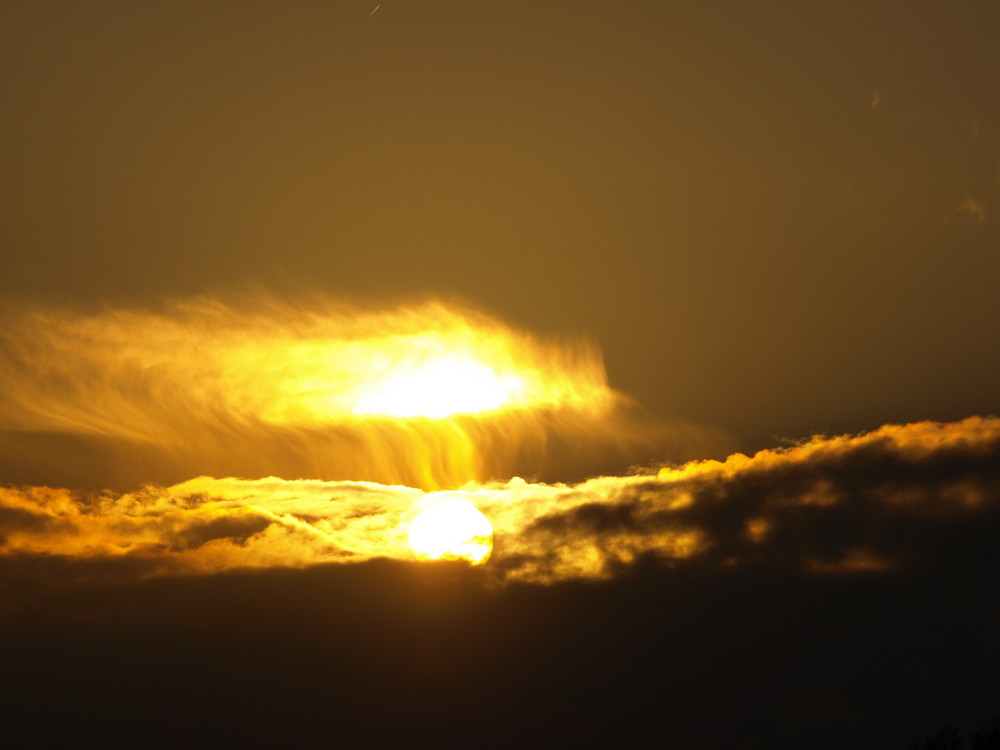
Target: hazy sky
<point>774,218</point>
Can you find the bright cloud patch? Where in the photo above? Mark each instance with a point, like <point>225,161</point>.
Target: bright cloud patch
<point>841,505</point>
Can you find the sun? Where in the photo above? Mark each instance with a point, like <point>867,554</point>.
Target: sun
<point>452,529</point>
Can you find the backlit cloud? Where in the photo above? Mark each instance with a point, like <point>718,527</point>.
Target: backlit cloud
<point>430,394</point>
<point>881,501</point>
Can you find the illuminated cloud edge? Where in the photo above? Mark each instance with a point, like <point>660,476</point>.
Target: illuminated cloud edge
<point>846,505</point>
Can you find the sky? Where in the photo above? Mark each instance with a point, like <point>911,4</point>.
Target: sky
<point>724,276</point>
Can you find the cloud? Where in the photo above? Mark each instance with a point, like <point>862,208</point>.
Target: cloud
<point>207,525</point>
<point>883,501</point>
<point>430,394</point>
<point>975,210</point>
<point>841,504</point>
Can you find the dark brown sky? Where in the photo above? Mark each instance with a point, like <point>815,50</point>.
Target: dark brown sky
<point>774,219</point>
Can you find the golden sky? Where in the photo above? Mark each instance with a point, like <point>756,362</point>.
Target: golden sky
<point>695,302</point>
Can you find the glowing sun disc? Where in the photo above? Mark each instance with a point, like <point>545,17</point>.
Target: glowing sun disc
<point>452,529</point>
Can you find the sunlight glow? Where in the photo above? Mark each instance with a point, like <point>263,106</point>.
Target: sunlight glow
<point>430,394</point>
<point>452,529</point>
<point>445,385</point>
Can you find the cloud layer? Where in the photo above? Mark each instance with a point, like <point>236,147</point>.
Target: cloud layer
<point>878,502</point>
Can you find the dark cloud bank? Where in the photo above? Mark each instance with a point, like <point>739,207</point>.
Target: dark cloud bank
<point>842,593</point>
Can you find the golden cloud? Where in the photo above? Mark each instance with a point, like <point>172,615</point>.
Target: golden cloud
<point>832,505</point>
<point>429,394</point>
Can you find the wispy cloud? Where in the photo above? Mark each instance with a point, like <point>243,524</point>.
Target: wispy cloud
<point>975,210</point>
<point>430,393</point>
